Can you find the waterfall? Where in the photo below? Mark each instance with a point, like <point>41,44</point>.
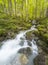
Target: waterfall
<point>11,47</point>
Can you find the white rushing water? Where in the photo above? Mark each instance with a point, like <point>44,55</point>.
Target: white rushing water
<point>11,47</point>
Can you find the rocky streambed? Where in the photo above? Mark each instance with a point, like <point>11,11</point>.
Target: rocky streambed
<point>29,53</point>
<point>42,48</point>
<point>19,51</point>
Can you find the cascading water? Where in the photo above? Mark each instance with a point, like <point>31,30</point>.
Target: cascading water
<point>10,48</point>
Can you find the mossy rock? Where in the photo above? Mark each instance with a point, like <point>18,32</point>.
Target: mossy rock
<point>36,32</point>
<point>27,51</point>
<point>43,45</point>
<point>29,35</point>
<point>43,32</point>
<point>45,37</point>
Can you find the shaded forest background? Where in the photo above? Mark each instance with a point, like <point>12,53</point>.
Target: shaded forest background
<point>28,9</point>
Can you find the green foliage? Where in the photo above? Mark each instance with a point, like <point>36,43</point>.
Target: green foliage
<point>24,8</point>
<point>43,29</point>
<point>15,15</point>
<point>12,25</point>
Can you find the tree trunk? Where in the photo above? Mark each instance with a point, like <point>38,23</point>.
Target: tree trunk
<point>10,7</point>
<point>15,6</point>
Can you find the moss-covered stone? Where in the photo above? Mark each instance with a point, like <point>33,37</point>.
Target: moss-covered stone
<point>43,30</point>
<point>29,35</point>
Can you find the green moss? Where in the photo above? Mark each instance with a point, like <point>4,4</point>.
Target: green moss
<point>42,33</point>
<point>2,32</point>
<point>29,33</point>
<point>44,22</point>
<point>43,29</point>
<point>36,33</point>
<point>46,35</point>
<point>12,24</point>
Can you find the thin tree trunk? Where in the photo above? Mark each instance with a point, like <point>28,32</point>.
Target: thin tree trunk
<point>4,3</point>
<point>10,7</point>
<point>36,9</point>
<point>22,10</point>
<point>15,6</point>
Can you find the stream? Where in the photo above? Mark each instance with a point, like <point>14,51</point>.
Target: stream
<point>15,51</point>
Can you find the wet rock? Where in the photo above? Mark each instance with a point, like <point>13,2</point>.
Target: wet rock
<point>22,43</point>
<point>42,45</point>
<point>29,35</point>
<point>1,39</point>
<point>40,59</point>
<point>29,43</point>
<point>1,44</point>
<point>26,51</point>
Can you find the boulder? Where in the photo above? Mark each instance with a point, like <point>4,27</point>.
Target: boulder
<point>40,59</point>
<point>26,51</point>
<point>29,35</point>
<point>29,43</point>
